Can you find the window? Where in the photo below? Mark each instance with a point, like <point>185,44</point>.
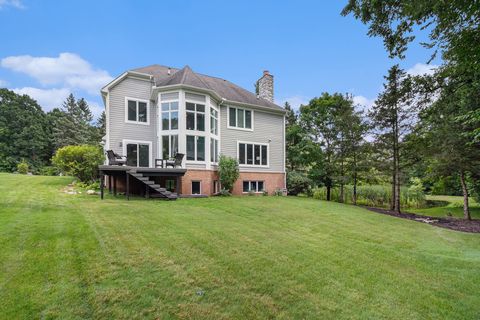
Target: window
<point>216,186</point>
<point>138,154</point>
<point>137,111</point>
<point>169,146</point>
<point>195,116</point>
<point>252,154</point>
<point>255,186</point>
<point>195,148</point>
<point>196,187</point>
<point>213,121</point>
<point>239,118</point>
<point>170,115</point>
<point>213,150</point>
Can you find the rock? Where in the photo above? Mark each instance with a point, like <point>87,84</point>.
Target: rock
<point>91,192</point>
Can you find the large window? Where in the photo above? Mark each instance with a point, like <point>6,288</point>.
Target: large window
<point>138,154</point>
<point>214,150</point>
<point>255,186</point>
<point>137,111</point>
<point>213,121</point>
<point>169,146</point>
<point>195,148</point>
<point>239,118</point>
<point>170,115</point>
<point>252,154</point>
<point>195,116</point>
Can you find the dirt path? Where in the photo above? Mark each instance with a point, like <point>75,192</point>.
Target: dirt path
<point>472,226</point>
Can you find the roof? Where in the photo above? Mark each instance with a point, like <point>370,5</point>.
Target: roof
<point>186,76</point>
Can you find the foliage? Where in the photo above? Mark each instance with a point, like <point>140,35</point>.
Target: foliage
<point>373,196</point>
<point>224,193</point>
<point>79,161</point>
<point>297,182</point>
<point>89,185</point>
<point>228,172</point>
<point>22,167</point>
<point>48,171</point>
<point>24,131</point>
<point>72,124</point>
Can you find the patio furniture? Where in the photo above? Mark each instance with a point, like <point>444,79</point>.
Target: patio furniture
<point>174,162</point>
<point>115,159</point>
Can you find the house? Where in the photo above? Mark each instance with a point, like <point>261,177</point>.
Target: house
<point>156,111</point>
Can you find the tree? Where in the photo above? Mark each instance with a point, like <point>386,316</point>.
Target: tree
<point>391,116</point>
<point>228,172</point>
<point>320,120</point>
<point>24,131</point>
<point>73,126</point>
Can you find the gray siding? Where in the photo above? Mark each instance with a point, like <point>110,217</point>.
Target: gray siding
<point>267,126</point>
<point>118,128</point>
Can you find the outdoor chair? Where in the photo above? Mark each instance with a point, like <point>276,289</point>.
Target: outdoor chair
<point>174,162</point>
<point>116,159</point>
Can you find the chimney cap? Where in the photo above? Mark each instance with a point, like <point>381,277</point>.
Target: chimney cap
<point>266,72</point>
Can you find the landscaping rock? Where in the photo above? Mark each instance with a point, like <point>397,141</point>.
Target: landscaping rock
<point>91,192</point>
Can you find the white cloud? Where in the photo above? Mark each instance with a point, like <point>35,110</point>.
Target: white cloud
<point>47,98</point>
<point>363,102</point>
<point>421,68</point>
<point>96,109</point>
<point>68,70</point>
<point>11,3</point>
<point>294,101</point>
<point>3,83</point>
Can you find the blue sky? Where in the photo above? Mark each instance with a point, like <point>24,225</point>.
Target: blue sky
<point>51,48</point>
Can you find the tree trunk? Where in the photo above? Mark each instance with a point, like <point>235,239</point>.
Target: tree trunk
<point>392,201</point>
<point>397,168</point>
<point>328,192</point>
<point>466,210</point>
<point>355,179</point>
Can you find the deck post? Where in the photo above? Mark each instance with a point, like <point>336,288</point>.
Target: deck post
<point>127,194</point>
<point>102,181</point>
<point>109,184</point>
<point>115,185</point>
<point>147,191</point>
<point>178,186</point>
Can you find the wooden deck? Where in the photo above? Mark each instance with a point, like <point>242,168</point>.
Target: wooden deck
<point>143,175</point>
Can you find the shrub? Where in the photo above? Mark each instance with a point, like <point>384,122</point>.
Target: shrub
<point>228,172</point>
<point>297,183</point>
<point>224,193</point>
<point>79,161</point>
<point>48,171</point>
<point>22,167</point>
<point>265,193</point>
<point>376,195</point>
<point>278,192</point>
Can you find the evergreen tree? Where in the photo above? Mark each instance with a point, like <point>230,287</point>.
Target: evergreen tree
<point>391,116</point>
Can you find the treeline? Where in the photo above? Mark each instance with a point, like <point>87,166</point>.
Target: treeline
<point>425,127</point>
<point>30,135</point>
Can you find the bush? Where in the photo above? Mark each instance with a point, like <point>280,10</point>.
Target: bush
<point>224,193</point>
<point>22,167</point>
<point>297,183</point>
<point>79,161</point>
<point>228,172</point>
<point>376,195</point>
<point>48,171</point>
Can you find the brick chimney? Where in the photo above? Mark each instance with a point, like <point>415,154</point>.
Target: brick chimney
<point>265,86</point>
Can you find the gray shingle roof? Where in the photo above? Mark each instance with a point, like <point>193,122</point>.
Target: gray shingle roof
<point>223,88</point>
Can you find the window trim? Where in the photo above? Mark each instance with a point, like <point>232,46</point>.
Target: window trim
<point>250,186</point>
<point>253,165</point>
<point>244,118</point>
<point>137,100</point>
<point>128,141</point>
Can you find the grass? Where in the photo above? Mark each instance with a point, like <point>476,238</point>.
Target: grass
<point>77,257</point>
<point>444,206</point>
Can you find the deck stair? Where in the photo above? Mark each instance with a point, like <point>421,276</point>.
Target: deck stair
<point>159,192</point>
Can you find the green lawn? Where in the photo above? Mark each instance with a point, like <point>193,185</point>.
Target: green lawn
<point>444,206</point>
<point>75,256</point>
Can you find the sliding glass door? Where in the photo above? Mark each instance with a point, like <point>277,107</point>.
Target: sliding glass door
<point>138,154</point>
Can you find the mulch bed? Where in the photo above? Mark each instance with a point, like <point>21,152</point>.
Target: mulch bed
<point>472,226</point>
